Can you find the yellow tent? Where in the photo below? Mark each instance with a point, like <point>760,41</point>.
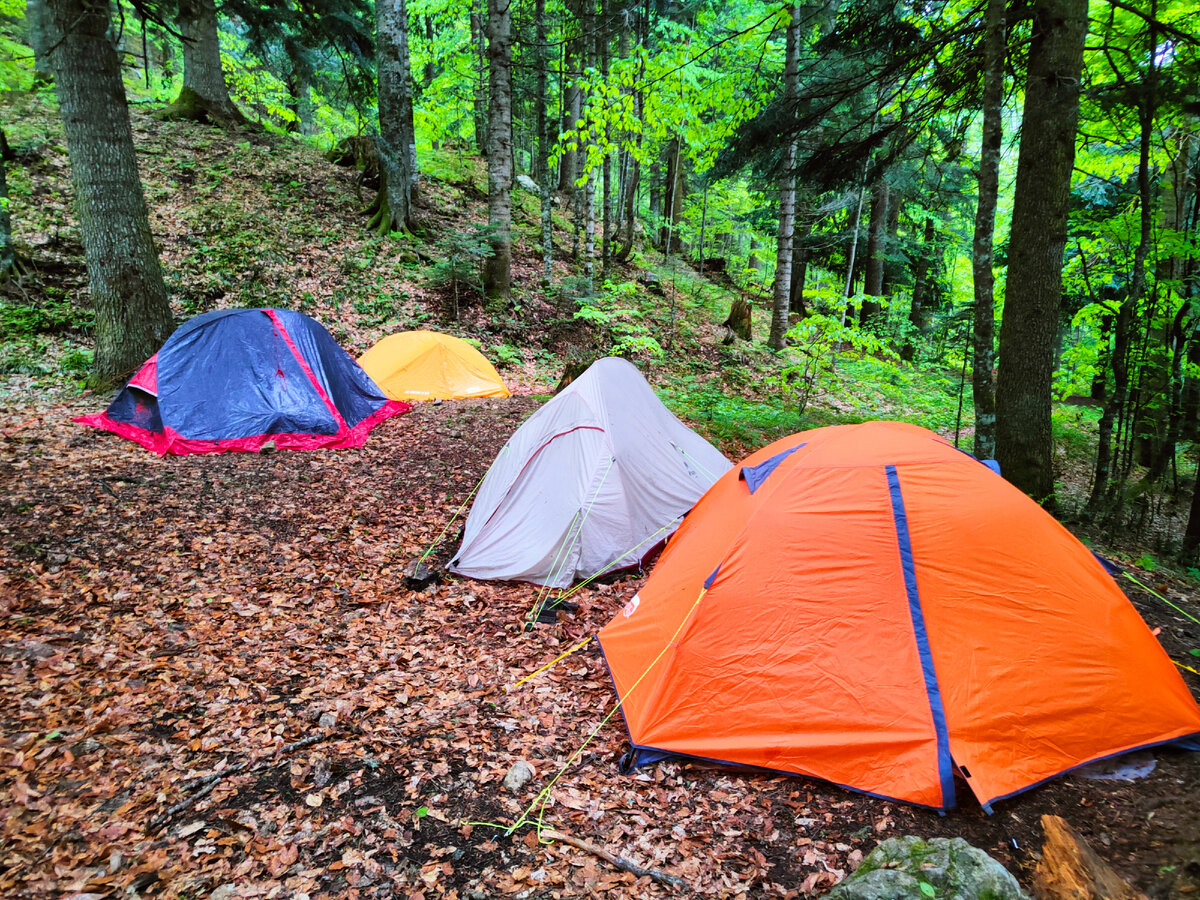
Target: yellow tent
<point>425,365</point>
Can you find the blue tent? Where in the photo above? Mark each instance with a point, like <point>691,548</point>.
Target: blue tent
<point>238,379</point>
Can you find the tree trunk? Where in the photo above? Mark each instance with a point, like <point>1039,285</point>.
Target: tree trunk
<point>8,256</point>
<point>568,165</point>
<point>634,178</point>
<point>542,62</point>
<point>802,230</point>
<point>1024,444</point>
<point>1190,552</point>
<point>430,71</point>
<point>876,244</point>
<point>673,190</point>
<point>785,235</point>
<point>397,138</point>
<point>983,385</point>
<point>1113,406</point>
<point>497,270</point>
<point>589,232</point>
<point>480,94</point>
<point>204,95</point>
<point>37,17</point>
<point>133,317</point>
<point>923,272</point>
<point>602,41</point>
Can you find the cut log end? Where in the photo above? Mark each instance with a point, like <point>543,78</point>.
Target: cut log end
<point>1070,870</point>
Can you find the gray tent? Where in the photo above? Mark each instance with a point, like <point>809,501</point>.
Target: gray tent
<point>589,484</point>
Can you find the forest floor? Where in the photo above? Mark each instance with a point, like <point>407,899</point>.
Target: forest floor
<point>162,620</point>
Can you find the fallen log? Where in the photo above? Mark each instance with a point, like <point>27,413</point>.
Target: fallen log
<point>1070,870</point>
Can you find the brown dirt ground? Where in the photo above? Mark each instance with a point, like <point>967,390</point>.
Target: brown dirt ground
<point>166,618</point>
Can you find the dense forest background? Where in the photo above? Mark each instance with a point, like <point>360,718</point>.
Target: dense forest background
<point>978,216</point>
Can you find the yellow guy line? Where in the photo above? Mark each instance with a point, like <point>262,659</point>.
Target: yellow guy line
<point>1155,593</point>
<point>561,656</point>
<point>543,796</point>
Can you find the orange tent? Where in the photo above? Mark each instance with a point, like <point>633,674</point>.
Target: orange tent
<point>425,365</point>
<point>867,605</point>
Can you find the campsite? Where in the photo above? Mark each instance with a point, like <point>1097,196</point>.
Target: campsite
<point>577,461</point>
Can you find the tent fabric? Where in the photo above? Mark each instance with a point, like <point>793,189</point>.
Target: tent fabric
<point>236,379</point>
<point>884,612</point>
<point>425,365</point>
<point>589,484</point>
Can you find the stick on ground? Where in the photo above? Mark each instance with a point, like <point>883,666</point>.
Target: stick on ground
<point>619,861</point>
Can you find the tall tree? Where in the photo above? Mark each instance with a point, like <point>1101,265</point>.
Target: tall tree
<point>479,92</point>
<point>8,257</point>
<point>983,388</point>
<point>397,136</point>
<point>133,317</point>
<point>545,188</point>
<point>782,294</point>
<point>1024,443</point>
<point>877,234</point>
<point>204,94</point>
<point>497,270</point>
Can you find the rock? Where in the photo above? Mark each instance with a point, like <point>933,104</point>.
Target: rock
<point>327,720</point>
<point>418,575</point>
<point>224,892</point>
<point>949,869</point>
<point>527,183</point>
<point>518,776</point>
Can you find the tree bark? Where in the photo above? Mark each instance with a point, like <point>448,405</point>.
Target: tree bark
<point>1070,870</point>
<point>397,137</point>
<point>573,51</point>
<point>1024,443</point>
<point>480,94</point>
<point>602,41</point>
<point>633,181</point>
<point>876,244</point>
<point>133,317</point>
<point>497,270</point>
<point>37,18</point>
<point>8,256</point>
<point>802,230</point>
<point>923,274</point>
<point>983,385</point>
<point>542,50</point>
<point>785,235</point>
<point>204,95</point>
<point>673,190</point>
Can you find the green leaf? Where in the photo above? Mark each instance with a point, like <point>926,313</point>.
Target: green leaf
<point>928,890</point>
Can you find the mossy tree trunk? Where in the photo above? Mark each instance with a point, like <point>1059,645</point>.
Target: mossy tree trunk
<point>542,49</point>
<point>8,257</point>
<point>204,95</point>
<point>1024,442</point>
<point>497,271</point>
<point>983,387</point>
<point>398,149</point>
<point>786,234</point>
<point>876,249</point>
<point>133,317</point>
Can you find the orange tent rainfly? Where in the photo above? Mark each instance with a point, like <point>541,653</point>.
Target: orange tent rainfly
<point>425,365</point>
<point>867,605</point>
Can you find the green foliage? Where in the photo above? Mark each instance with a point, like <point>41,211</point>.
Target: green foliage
<point>816,344</point>
<point>50,317</point>
<point>507,355</point>
<point>613,313</point>
<point>460,257</point>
